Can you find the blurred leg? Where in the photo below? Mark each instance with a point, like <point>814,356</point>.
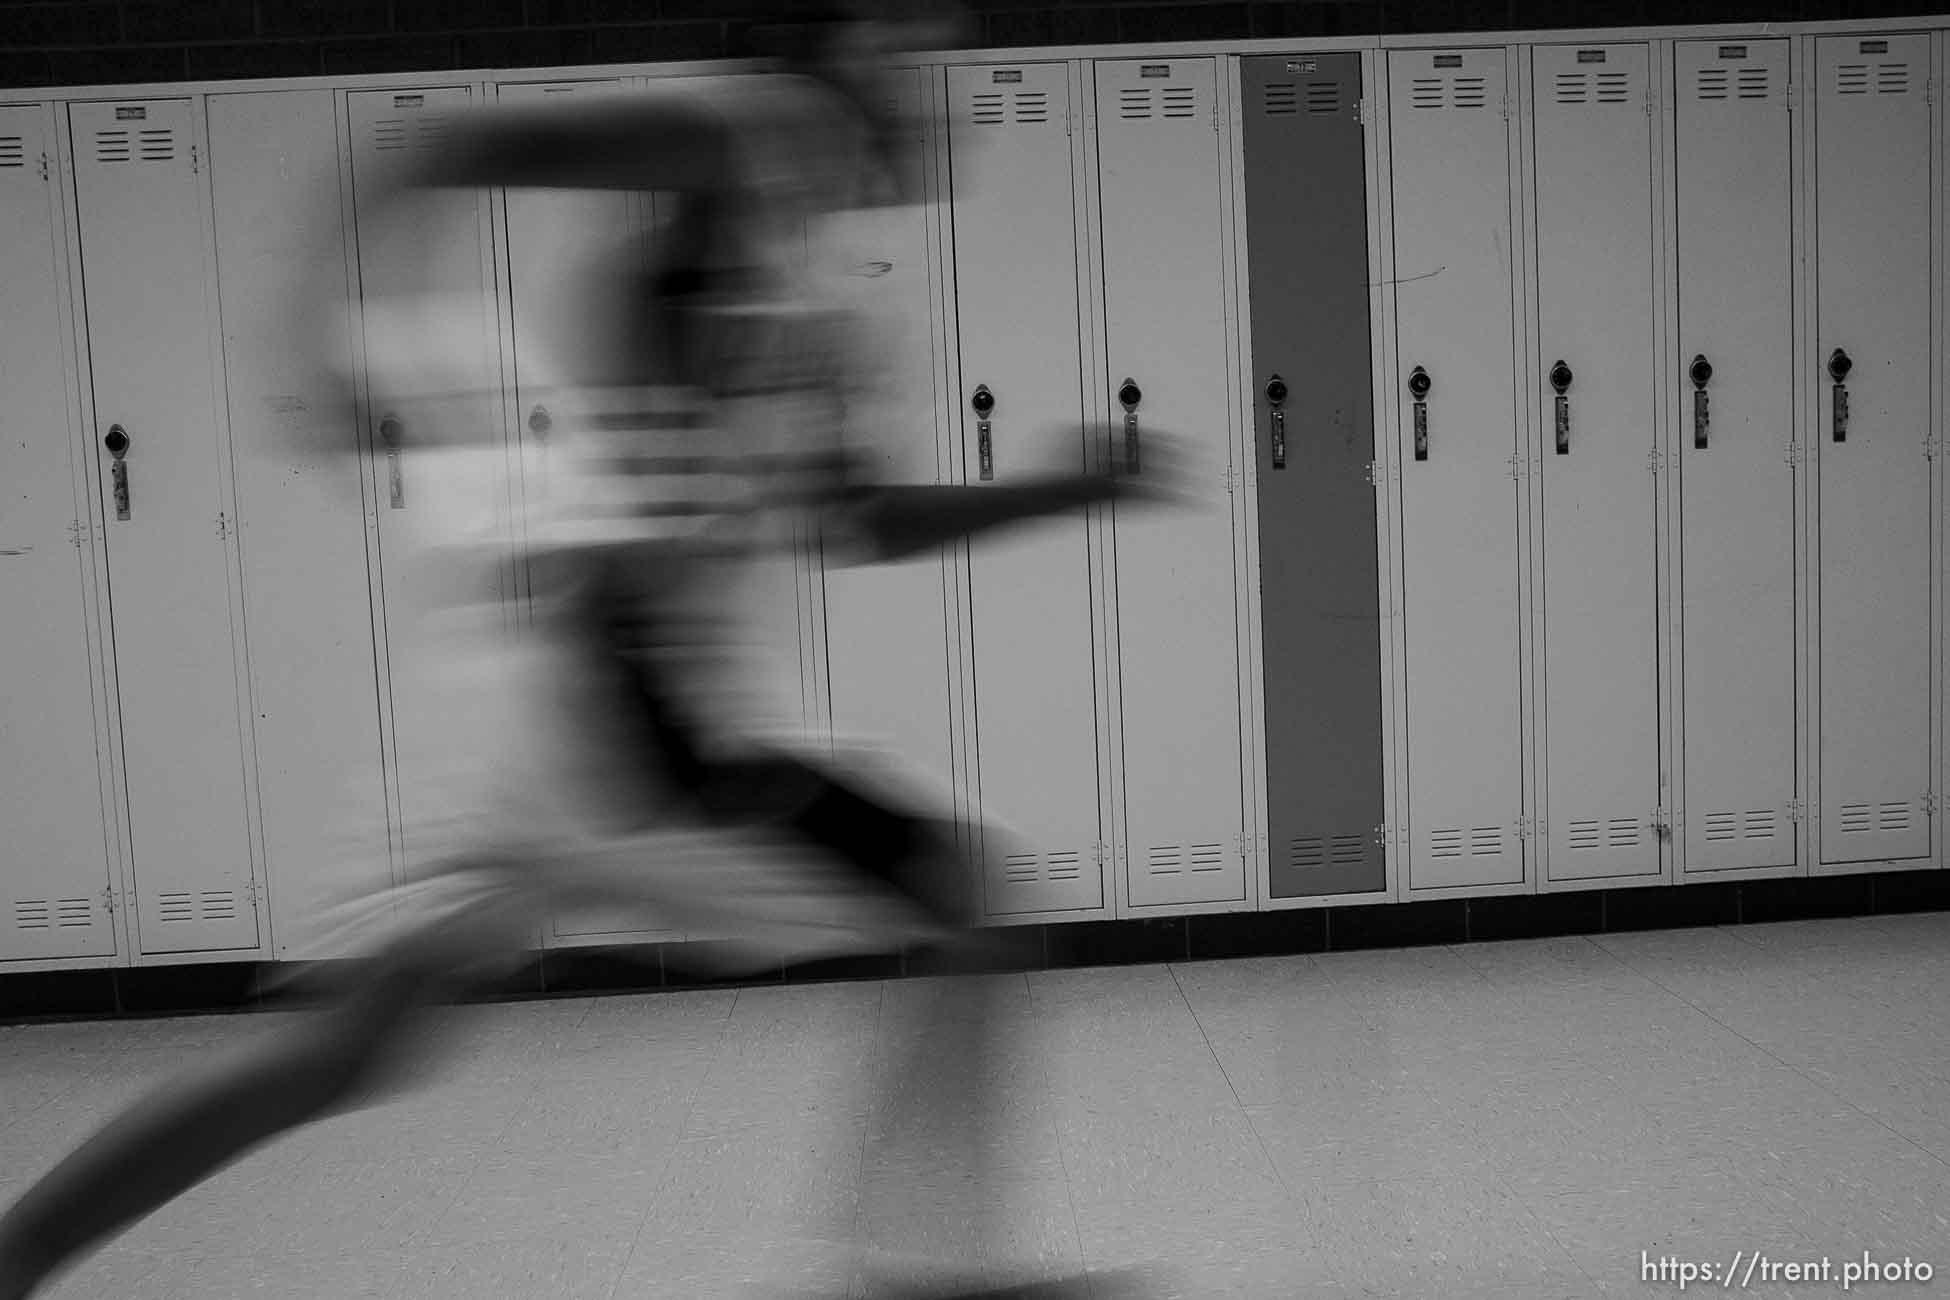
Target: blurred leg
<point>192,1128</point>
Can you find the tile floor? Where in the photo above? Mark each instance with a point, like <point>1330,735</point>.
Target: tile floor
<point>1511,1119</point>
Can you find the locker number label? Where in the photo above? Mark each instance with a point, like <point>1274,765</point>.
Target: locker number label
<point>1007,76</point>
<point>135,114</point>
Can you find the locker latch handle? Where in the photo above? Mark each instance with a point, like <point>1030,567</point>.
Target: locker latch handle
<point>1561,385</point>
<point>1700,372</point>
<point>117,442</point>
<point>390,430</point>
<point>1130,395</point>
<point>1419,385</point>
<point>1838,367</point>
<point>1276,398</point>
<point>984,404</point>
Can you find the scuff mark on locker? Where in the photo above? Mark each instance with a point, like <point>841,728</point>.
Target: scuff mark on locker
<point>284,405</point>
<point>15,550</point>
<point>1408,279</point>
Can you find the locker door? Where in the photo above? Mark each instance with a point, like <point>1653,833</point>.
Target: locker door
<point>551,235</point>
<point>1593,140</point>
<point>1872,177</point>
<point>396,257</point>
<point>56,868</point>
<point>313,675</point>
<point>886,626</point>
<point>1460,552</point>
<point>1736,485</point>
<point>1307,234</point>
<point>1164,304</point>
<point>151,340</point>
<point>1016,302</point>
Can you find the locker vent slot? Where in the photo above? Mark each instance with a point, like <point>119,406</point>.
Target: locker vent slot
<point>427,132</point>
<point>112,146</point>
<point>1176,101</point>
<point>206,905</point>
<point>1585,88</point>
<point>1323,97</point>
<point>1888,79</point>
<point>1449,92</point>
<point>1754,824</point>
<point>1280,99</point>
<point>1483,842</point>
<point>1028,868</point>
<point>1712,83</point>
<point>158,146</point>
<point>1032,106</point>
<point>1592,834</point>
<point>1887,818</point>
<point>1171,859</point>
<point>990,109</point>
<point>1312,852</point>
<point>54,913</point>
<point>13,151</point>
<point>1754,83</point>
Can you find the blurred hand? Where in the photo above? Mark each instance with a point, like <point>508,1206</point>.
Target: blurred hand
<point>1165,465</point>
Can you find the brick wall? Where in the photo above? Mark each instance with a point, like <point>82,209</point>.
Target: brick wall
<point>83,42</point>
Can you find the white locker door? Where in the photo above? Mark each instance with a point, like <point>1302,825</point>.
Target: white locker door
<point>300,512</point>
<point>1593,142</point>
<point>152,335</point>
<point>886,626</point>
<point>1164,303</point>
<point>1460,557</point>
<point>1016,303</point>
<point>55,875</point>
<point>1872,178</point>
<point>391,129</point>
<point>1736,484</point>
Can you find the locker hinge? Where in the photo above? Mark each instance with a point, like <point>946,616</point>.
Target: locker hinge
<point>1371,472</point>
<point>195,161</point>
<point>1797,811</point>
<point>1519,467</point>
<point>109,902</point>
<point>1101,852</point>
<point>1931,446</point>
<point>1506,108</point>
<point>44,168</point>
<point>1655,460</point>
<point>1361,110</point>
<point>1793,99</point>
<point>251,892</point>
<point>223,525</point>
<point>1929,804</point>
<point>1523,827</point>
<point>74,533</point>
<point>1794,453</point>
<point>1381,835</point>
<point>1662,822</point>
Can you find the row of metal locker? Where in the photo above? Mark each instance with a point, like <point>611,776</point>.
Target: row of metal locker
<point>1563,419</point>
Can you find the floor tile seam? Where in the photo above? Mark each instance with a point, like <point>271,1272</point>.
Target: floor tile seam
<point>669,1151</point>
<point>866,1130</point>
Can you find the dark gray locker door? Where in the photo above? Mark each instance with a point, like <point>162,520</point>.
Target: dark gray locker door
<point>1307,238</point>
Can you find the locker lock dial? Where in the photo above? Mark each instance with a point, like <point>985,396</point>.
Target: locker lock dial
<point>1276,398</point>
<point>540,421</point>
<point>1700,371</point>
<point>1838,367</point>
<point>984,403</point>
<point>1129,394</point>
<point>117,442</point>
<point>1561,385</point>
<point>1419,385</point>
<point>390,430</point>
